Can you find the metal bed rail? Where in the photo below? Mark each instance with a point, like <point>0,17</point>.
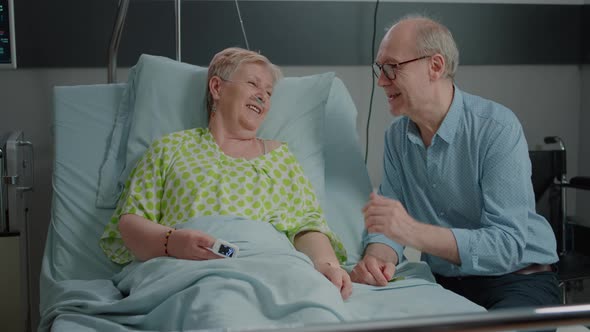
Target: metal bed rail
<point>118,31</point>
<point>498,320</point>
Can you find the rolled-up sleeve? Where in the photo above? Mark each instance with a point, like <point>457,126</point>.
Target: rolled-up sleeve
<point>498,246</point>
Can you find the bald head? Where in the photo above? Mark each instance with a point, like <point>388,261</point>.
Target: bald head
<point>423,36</point>
<point>403,35</point>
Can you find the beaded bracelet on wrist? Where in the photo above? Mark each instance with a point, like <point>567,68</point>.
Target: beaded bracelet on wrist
<point>166,243</point>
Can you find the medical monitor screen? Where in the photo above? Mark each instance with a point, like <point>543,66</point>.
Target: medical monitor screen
<point>7,50</point>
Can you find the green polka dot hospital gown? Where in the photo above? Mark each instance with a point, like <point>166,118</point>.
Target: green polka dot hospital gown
<point>185,174</point>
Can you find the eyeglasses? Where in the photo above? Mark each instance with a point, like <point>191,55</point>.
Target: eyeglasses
<point>251,84</point>
<point>390,69</point>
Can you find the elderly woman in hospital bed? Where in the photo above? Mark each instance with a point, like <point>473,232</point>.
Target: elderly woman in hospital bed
<point>224,169</point>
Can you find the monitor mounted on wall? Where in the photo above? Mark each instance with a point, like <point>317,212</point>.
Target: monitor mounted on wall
<point>7,39</point>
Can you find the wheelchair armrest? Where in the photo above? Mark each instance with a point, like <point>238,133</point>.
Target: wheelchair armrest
<point>580,182</point>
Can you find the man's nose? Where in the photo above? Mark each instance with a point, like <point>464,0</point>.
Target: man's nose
<point>383,80</point>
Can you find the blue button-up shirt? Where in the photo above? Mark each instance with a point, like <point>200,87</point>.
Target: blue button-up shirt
<point>475,179</point>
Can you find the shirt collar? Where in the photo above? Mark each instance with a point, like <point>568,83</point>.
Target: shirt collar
<point>413,134</point>
<point>448,127</point>
<point>450,124</point>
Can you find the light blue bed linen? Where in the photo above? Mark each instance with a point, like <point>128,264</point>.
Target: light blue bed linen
<point>76,278</point>
<point>270,284</point>
<point>82,124</point>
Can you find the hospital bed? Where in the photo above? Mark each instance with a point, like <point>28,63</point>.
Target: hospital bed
<point>101,130</point>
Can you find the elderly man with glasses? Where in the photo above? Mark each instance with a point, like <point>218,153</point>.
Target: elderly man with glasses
<point>456,183</point>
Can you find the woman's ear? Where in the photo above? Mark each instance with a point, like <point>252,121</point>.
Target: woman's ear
<point>215,87</point>
<point>437,66</point>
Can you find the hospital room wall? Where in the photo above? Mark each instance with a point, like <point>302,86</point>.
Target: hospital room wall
<point>546,99</point>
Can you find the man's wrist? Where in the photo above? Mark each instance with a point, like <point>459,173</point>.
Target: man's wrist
<point>414,238</point>
<point>445,246</point>
<point>382,252</point>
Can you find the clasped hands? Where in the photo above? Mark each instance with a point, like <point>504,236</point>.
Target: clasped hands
<point>388,217</point>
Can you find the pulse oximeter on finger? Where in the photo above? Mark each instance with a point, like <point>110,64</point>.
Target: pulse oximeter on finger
<point>225,249</point>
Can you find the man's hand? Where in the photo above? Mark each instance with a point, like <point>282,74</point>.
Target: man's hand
<point>390,218</point>
<point>191,244</point>
<point>338,277</point>
<point>372,270</point>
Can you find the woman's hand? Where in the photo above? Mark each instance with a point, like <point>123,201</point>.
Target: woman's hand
<point>191,244</point>
<point>317,247</point>
<point>338,276</point>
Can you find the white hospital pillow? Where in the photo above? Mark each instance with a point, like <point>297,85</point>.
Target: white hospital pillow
<point>347,181</point>
<point>169,96</point>
<point>108,188</point>
<point>162,96</point>
<point>166,96</point>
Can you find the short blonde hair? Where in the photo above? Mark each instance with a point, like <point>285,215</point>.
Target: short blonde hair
<point>226,62</point>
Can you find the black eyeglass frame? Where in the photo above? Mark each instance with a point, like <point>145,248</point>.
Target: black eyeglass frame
<point>383,68</point>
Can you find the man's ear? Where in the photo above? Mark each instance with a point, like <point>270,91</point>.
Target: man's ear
<point>215,87</point>
<point>437,66</point>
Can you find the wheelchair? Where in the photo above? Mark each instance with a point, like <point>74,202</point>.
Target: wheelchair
<point>551,186</point>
